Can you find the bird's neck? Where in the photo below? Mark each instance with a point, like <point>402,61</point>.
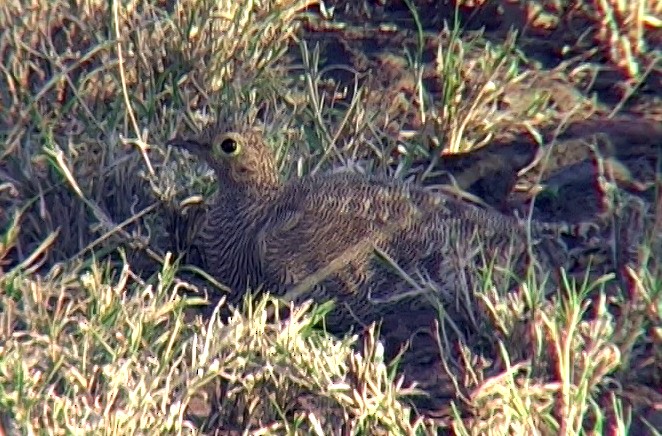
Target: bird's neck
<point>248,196</point>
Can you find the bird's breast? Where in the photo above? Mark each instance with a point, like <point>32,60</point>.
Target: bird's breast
<point>229,249</point>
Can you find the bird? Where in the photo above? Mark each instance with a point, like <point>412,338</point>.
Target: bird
<point>373,245</point>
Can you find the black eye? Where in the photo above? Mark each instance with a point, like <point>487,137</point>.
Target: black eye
<point>229,146</point>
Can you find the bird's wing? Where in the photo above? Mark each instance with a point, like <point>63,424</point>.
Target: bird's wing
<point>330,228</point>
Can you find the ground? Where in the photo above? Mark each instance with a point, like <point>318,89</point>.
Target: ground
<point>547,107</point>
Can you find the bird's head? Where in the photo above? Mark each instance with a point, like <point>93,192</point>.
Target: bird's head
<point>241,160</point>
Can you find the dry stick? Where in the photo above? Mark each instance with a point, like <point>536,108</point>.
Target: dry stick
<point>138,141</point>
<point>545,156</point>
<point>118,228</point>
<point>27,264</point>
<point>450,372</point>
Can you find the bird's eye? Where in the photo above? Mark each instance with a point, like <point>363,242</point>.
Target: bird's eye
<point>229,146</point>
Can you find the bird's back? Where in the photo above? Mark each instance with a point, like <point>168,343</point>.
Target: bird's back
<point>356,239</point>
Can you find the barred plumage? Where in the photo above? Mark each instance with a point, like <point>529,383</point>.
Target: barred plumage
<point>350,237</point>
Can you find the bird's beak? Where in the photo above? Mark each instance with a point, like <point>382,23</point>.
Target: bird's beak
<point>191,145</point>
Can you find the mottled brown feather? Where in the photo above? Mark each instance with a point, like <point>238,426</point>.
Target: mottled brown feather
<point>335,236</point>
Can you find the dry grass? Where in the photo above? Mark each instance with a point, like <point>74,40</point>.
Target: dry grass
<point>626,32</point>
<point>91,351</point>
<point>623,27</point>
<point>102,329</point>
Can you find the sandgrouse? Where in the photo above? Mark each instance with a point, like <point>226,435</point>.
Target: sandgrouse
<point>373,245</point>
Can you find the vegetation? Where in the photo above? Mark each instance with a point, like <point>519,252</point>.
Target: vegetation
<point>104,328</point>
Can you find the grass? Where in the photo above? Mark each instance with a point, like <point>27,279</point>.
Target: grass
<point>100,317</point>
